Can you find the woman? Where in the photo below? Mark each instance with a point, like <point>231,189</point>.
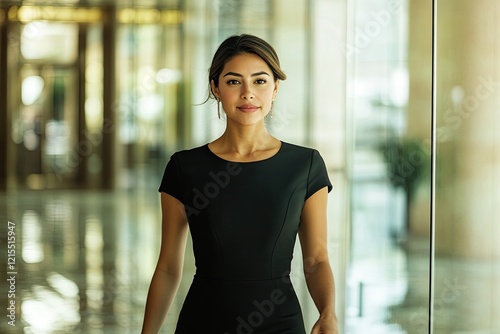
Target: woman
<point>245,196</point>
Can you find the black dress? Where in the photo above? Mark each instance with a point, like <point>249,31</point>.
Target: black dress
<point>243,218</point>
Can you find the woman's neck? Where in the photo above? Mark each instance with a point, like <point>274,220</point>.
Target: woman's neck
<point>247,142</point>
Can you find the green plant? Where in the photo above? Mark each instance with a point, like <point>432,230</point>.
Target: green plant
<point>408,164</point>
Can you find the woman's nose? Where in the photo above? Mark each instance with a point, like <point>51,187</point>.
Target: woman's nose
<point>247,93</point>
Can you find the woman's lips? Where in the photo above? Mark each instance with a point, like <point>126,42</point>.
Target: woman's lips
<point>248,108</point>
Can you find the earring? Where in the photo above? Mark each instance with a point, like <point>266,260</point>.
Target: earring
<point>218,108</point>
<point>271,112</point>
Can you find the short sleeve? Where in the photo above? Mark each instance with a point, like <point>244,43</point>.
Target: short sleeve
<point>171,181</point>
<point>318,175</point>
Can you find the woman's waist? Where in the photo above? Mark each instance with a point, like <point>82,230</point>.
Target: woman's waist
<point>274,289</point>
<point>241,278</point>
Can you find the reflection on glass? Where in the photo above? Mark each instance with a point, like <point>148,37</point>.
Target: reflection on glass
<point>32,238</point>
<point>387,172</point>
<point>148,97</point>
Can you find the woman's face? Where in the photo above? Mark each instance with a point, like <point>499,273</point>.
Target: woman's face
<point>246,89</point>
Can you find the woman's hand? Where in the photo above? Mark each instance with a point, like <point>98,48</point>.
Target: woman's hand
<point>325,325</point>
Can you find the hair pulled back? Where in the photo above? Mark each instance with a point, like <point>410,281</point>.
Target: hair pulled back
<point>243,44</point>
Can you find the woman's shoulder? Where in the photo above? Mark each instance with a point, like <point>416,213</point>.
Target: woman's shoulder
<point>189,154</point>
<point>300,153</point>
<point>192,150</point>
<point>298,149</point>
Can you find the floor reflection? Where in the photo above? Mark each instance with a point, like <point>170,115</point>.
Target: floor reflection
<point>84,260</point>
<point>386,265</point>
<point>388,276</point>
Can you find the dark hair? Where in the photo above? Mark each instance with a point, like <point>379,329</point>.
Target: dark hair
<point>241,44</point>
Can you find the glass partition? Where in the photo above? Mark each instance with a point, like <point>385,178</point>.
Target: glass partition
<point>397,283</point>
<point>388,271</point>
<point>467,259</point>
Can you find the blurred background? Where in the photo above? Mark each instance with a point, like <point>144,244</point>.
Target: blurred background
<point>95,95</point>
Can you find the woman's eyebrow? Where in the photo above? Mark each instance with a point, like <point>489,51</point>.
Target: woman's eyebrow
<point>239,75</point>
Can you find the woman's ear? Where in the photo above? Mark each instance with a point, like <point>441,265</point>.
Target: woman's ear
<point>276,85</point>
<point>215,90</point>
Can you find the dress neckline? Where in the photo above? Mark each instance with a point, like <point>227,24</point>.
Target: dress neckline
<point>246,162</point>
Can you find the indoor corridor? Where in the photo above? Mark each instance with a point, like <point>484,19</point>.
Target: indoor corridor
<point>400,97</point>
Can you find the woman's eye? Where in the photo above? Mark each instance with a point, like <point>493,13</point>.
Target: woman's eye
<point>260,81</point>
<point>232,82</point>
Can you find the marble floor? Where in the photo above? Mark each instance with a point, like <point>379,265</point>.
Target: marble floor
<point>83,261</point>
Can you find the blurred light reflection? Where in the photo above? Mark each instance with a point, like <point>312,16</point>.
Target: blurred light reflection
<point>65,14</point>
<point>167,75</point>
<point>150,107</point>
<point>93,112</point>
<point>32,88</point>
<point>57,137</point>
<point>64,286</point>
<point>30,140</point>
<point>94,260</point>
<point>32,250</point>
<point>54,41</point>
<point>48,311</point>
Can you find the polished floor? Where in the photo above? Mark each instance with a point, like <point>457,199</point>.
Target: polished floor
<point>83,262</point>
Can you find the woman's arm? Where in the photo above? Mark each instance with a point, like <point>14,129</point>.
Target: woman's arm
<point>317,270</point>
<point>168,273</point>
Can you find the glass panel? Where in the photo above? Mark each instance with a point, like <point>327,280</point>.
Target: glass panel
<point>149,77</point>
<point>467,275</point>
<point>387,278</point>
